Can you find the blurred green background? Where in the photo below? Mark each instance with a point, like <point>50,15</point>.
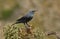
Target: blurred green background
<point>47,18</point>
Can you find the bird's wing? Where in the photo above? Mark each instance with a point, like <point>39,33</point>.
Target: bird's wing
<point>21,18</point>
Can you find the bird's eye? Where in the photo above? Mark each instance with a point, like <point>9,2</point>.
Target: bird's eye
<point>33,11</point>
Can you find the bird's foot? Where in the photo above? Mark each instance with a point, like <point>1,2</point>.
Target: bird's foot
<point>30,24</point>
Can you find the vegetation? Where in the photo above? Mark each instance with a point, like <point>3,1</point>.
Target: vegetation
<point>46,19</point>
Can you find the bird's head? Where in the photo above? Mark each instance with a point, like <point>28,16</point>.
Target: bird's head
<point>32,11</point>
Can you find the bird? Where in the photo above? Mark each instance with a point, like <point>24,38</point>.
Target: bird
<point>26,18</point>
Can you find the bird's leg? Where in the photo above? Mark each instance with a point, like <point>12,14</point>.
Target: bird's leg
<point>26,25</point>
<point>28,28</point>
<point>29,24</point>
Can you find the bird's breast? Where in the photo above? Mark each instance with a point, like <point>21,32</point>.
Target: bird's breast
<point>29,18</point>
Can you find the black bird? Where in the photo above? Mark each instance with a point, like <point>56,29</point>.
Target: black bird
<point>25,19</point>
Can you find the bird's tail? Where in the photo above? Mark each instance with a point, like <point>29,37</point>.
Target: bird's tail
<point>14,24</point>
